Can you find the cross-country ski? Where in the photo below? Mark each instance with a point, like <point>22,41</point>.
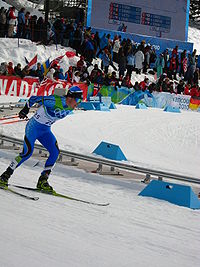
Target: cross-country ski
<point>56,194</point>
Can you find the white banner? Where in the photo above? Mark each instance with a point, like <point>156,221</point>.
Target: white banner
<point>164,99</point>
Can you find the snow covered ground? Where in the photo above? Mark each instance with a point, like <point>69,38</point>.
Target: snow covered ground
<point>132,230</point>
<point>149,138</point>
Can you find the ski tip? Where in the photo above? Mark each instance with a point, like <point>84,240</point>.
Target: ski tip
<point>103,204</point>
<point>35,198</point>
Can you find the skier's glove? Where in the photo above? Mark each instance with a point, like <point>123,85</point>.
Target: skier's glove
<point>23,113</point>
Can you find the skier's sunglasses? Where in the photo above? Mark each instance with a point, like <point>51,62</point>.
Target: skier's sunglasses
<point>78,100</point>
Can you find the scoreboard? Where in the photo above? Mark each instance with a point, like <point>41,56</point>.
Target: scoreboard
<point>126,13</point>
<point>167,19</point>
<point>154,20</point>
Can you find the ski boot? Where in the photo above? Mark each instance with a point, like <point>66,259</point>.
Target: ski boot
<point>5,176</point>
<point>43,184</point>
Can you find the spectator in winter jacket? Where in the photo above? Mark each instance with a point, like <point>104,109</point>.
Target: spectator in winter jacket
<point>144,84</point>
<point>39,30</point>
<point>191,67</point>
<point>104,43</point>
<point>11,21</point>
<point>114,81</point>
<point>122,64</point>
<point>142,46</point>
<point>61,76</point>
<point>127,82</point>
<point>2,22</point>
<point>10,69</point>
<point>180,87</point>
<point>139,59</point>
<point>130,63</point>
<point>27,29</point>
<point>194,91</point>
<point>106,60</point>
<point>84,75</point>
<point>25,71</point>
<point>21,23</point>
<point>116,47</point>
<point>152,88</point>
<point>166,58</point>
<point>18,70</point>
<point>147,55</point>
<point>176,56</point>
<point>100,77</point>
<point>159,65</point>
<point>69,76</point>
<point>196,76</point>
<point>58,29</point>
<point>183,63</point>
<point>94,74</point>
<point>187,89</point>
<point>175,51</point>
<point>165,85</point>
<point>81,63</point>
<point>136,86</point>
<point>97,40</point>
<point>77,39</point>
<point>172,67</point>
<point>3,68</point>
<point>89,50</point>
<point>171,87</point>
<point>38,72</point>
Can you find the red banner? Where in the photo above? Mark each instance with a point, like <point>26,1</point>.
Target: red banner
<point>15,86</point>
<point>47,87</point>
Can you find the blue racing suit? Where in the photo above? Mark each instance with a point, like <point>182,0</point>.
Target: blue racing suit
<point>52,108</point>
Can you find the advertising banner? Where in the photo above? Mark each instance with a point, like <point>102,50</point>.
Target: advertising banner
<point>15,86</point>
<point>164,99</point>
<point>29,86</point>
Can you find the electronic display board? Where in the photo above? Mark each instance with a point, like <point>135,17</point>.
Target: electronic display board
<point>166,19</point>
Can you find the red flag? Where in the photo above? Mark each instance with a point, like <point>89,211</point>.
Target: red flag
<point>70,54</point>
<point>56,61</point>
<point>32,63</point>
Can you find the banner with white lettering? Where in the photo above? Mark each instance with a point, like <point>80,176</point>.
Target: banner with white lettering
<point>29,86</point>
<point>180,101</point>
<point>15,86</point>
<point>164,99</point>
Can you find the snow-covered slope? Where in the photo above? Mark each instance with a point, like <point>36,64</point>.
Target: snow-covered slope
<point>131,231</point>
<point>148,138</point>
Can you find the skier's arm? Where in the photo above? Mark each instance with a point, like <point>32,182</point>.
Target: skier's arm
<point>23,113</point>
<point>32,100</point>
<point>35,100</point>
<point>48,101</point>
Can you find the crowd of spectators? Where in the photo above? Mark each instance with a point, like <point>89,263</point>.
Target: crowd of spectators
<point>175,72</point>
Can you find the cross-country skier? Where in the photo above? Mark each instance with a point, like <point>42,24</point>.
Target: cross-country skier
<point>52,108</point>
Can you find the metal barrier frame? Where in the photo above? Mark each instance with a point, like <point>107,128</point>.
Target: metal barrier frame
<point>111,163</point>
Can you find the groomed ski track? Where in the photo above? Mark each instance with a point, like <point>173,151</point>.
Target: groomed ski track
<point>131,231</point>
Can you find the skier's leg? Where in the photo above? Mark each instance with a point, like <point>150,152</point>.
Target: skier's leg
<point>49,142</point>
<point>28,146</point>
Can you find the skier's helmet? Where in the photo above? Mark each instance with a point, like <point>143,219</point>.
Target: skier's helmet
<point>75,92</point>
